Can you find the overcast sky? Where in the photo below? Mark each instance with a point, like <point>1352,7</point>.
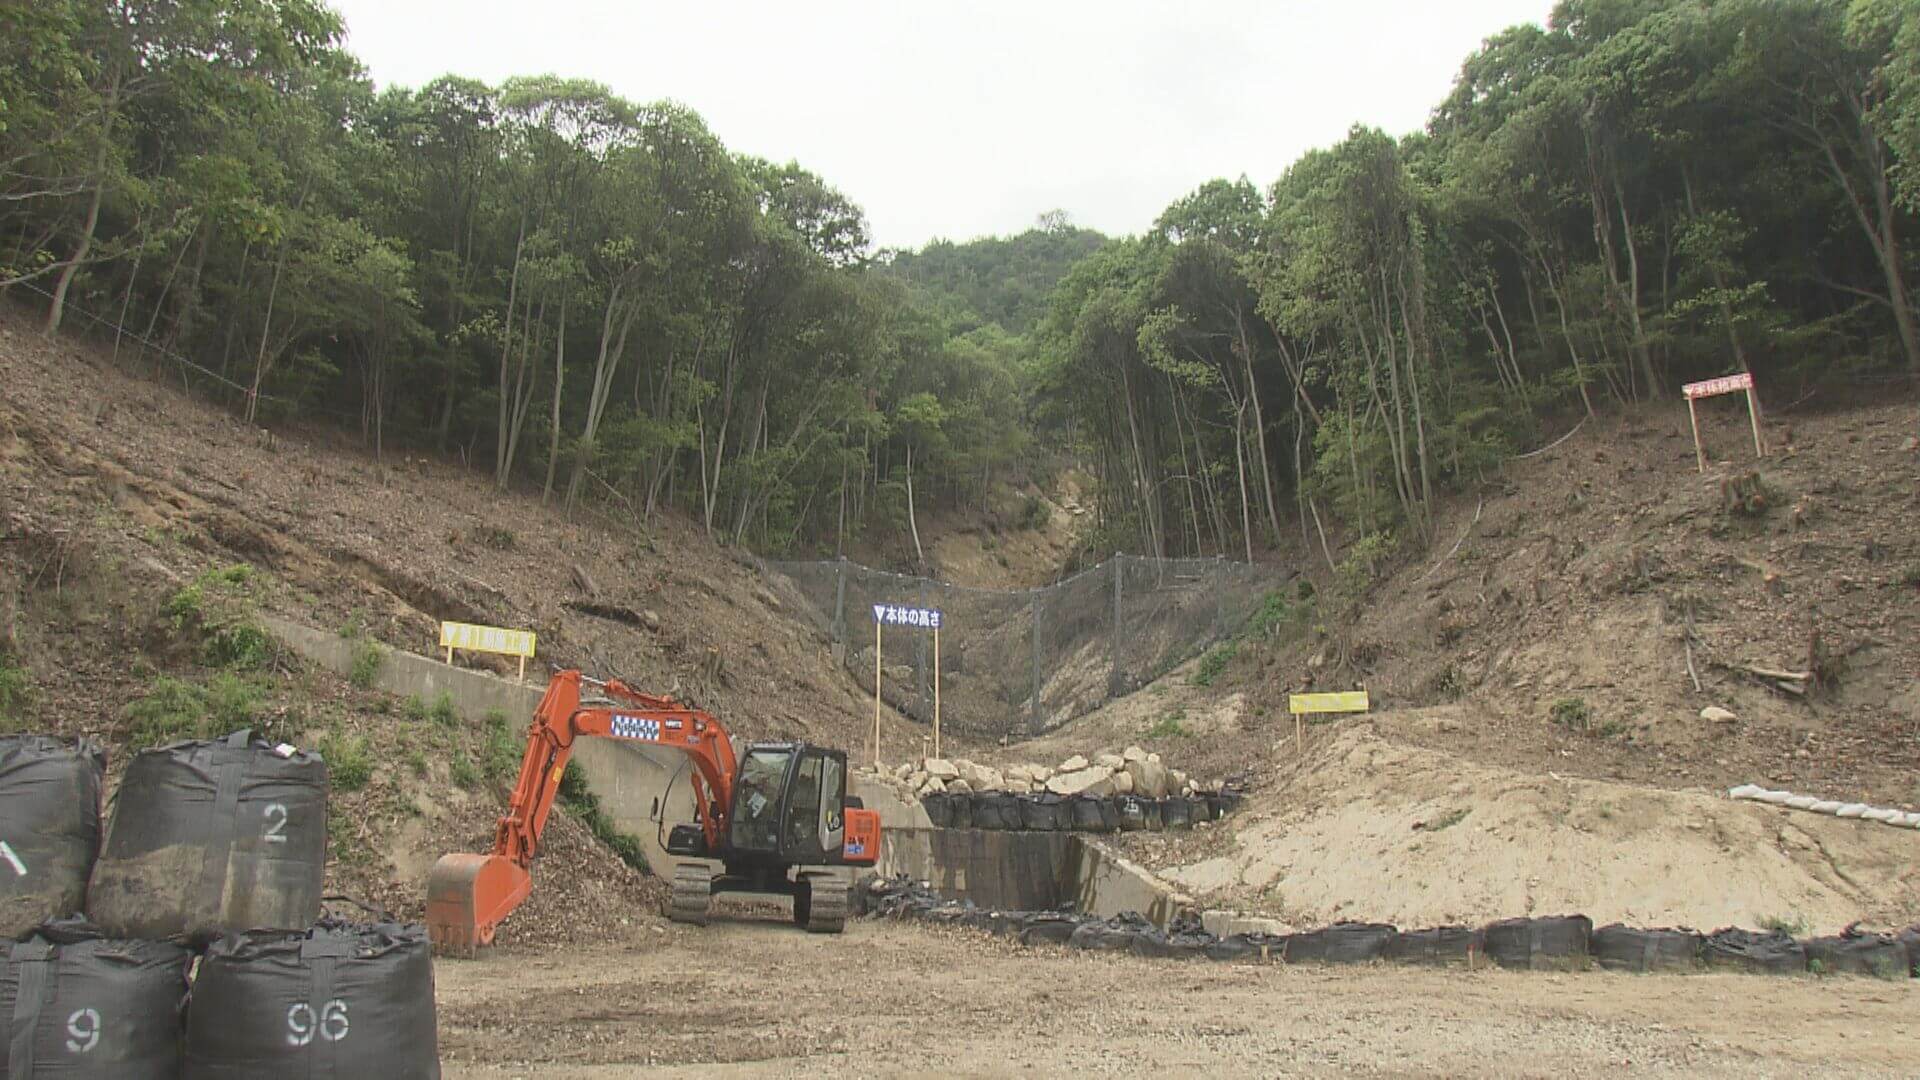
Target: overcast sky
<point>958,120</point>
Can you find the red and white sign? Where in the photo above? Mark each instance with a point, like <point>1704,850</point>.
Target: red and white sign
<point>1732,384</point>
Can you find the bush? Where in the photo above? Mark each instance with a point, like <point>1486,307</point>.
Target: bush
<point>242,646</point>
<point>446,715</point>
<point>1214,662</point>
<point>1170,726</point>
<point>414,709</point>
<point>1034,513</point>
<point>582,803</point>
<point>368,659</point>
<point>215,609</point>
<point>349,760</point>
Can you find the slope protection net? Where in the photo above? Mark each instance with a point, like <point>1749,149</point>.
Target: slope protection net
<point>1017,663</point>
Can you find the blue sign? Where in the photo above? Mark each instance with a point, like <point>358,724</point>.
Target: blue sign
<point>894,615</point>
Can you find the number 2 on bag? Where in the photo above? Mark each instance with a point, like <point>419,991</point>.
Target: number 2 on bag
<point>7,856</point>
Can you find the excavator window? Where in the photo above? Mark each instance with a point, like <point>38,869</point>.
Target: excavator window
<point>803,818</point>
<point>833,786</point>
<point>757,800</point>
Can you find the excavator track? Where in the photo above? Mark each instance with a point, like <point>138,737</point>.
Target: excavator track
<point>826,904</point>
<point>692,894</point>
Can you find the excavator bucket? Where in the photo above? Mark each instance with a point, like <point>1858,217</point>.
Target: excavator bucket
<point>468,896</point>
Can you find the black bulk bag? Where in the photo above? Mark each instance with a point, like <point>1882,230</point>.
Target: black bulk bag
<point>995,810</point>
<point>1883,956</point>
<point>1254,946</point>
<point>1910,937</point>
<point>1154,814</point>
<point>1133,812</point>
<point>1769,952</point>
<point>78,1006</point>
<point>1438,946</point>
<point>1050,928</point>
<point>49,828</point>
<point>1042,813</point>
<point>959,810</point>
<point>1623,948</point>
<point>1086,814</point>
<point>339,1001</point>
<point>1557,942</point>
<point>1117,934</point>
<point>1341,943</point>
<point>213,836</point>
<point>1177,812</point>
<point>939,808</point>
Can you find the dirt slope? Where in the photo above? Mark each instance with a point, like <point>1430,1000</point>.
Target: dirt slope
<point>117,492</point>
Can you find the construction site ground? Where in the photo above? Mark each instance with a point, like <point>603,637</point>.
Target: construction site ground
<point>758,999</point>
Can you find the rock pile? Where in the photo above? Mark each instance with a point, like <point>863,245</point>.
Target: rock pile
<point>1132,772</point>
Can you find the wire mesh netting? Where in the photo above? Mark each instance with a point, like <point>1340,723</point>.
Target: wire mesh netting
<point>1015,663</point>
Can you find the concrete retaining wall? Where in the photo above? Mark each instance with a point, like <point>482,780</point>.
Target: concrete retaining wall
<point>635,785</point>
<point>1027,871</point>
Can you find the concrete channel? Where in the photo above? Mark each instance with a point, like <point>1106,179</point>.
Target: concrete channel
<point>645,791</point>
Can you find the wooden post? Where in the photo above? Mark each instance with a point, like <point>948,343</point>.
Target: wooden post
<point>876,695</point>
<point>1753,416</point>
<point>1299,734</point>
<point>523,669</point>
<point>1699,452</point>
<point>936,691</point>
<point>449,656</point>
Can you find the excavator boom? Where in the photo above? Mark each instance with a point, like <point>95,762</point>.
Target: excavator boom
<point>468,896</point>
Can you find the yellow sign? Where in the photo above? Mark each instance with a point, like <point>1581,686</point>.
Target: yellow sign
<point>1343,701</point>
<point>491,639</point>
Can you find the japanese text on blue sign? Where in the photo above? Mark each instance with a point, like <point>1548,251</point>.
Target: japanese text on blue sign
<point>892,615</point>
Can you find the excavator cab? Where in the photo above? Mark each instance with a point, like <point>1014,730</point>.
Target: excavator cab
<point>790,808</point>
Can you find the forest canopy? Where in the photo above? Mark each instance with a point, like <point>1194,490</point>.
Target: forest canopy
<point>596,299</point>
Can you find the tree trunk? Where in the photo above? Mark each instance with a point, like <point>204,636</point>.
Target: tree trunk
<point>559,381</point>
<point>58,309</point>
<point>913,524</point>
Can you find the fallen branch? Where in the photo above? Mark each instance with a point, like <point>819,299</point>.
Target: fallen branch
<point>1464,533</point>
<point>1687,639</point>
<point>1554,443</point>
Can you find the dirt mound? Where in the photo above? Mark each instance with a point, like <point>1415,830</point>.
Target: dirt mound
<point>1370,827</point>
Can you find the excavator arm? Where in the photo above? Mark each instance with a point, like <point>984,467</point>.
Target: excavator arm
<point>469,895</point>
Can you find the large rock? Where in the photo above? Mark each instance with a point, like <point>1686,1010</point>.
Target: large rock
<point>1133,754</point>
<point>1149,778</point>
<point>1020,774</point>
<point>917,779</point>
<point>1042,774</point>
<point>940,769</point>
<point>1123,782</point>
<point>960,787</point>
<point>1019,787</point>
<point>1073,764</point>
<point>1111,761</point>
<point>1718,715</point>
<point>1095,780</point>
<point>933,786</point>
<point>1177,781</point>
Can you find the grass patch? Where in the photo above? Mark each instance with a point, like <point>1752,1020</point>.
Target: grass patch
<point>1792,926</point>
<point>415,710</point>
<point>175,709</point>
<point>368,659</point>
<point>14,692</point>
<point>1214,662</point>
<point>417,762</point>
<point>444,714</point>
<point>349,760</point>
<point>501,753</point>
<point>581,803</point>
<point>1449,819</point>
<point>1572,713</point>
<point>1171,726</point>
<point>461,770</point>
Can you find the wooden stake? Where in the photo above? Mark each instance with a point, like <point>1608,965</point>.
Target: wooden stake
<point>523,669</point>
<point>1698,452</point>
<point>449,656</point>
<point>1753,416</point>
<point>876,694</point>
<point>936,691</point>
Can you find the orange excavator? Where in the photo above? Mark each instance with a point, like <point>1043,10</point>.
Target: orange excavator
<point>775,821</point>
